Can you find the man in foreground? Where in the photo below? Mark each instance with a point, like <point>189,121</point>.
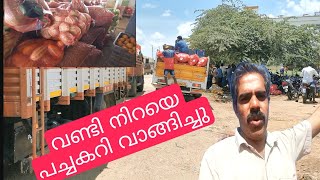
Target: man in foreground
<point>253,153</point>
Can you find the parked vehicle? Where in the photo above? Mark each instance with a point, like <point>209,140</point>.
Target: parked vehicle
<point>309,90</point>
<point>292,87</point>
<point>278,80</point>
<point>192,79</point>
<point>318,89</point>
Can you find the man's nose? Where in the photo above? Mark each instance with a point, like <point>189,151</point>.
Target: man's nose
<point>254,104</point>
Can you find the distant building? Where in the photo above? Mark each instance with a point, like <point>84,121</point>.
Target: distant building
<point>149,59</point>
<point>301,20</point>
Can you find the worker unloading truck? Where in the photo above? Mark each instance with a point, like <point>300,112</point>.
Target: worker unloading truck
<point>189,70</point>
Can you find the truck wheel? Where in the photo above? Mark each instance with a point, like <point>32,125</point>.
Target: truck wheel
<point>140,88</point>
<point>133,91</point>
<point>79,109</point>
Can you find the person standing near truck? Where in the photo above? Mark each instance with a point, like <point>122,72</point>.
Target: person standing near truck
<point>181,45</point>
<point>219,76</point>
<point>210,76</point>
<point>168,58</point>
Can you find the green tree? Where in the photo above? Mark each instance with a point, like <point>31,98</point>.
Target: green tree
<point>231,34</point>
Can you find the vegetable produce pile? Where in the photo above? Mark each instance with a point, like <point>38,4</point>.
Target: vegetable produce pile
<point>45,34</point>
<point>37,52</point>
<point>115,19</point>
<point>126,42</point>
<point>68,26</point>
<point>183,58</point>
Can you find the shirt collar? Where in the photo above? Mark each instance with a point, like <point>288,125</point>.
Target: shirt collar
<point>239,140</point>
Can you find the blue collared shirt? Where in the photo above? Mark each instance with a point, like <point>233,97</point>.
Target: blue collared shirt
<point>182,46</point>
<point>168,53</point>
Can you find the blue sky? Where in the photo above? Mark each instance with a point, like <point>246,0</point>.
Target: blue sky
<point>161,21</point>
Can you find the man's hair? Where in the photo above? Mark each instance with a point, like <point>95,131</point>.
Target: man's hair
<point>165,47</point>
<point>245,68</point>
<point>179,37</point>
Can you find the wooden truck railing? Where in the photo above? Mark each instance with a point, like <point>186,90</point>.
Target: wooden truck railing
<point>27,92</point>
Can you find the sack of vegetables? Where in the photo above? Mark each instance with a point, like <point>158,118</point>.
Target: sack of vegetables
<point>27,15</point>
<point>67,26</point>
<point>36,53</point>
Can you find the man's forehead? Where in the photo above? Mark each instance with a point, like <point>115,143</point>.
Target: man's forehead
<point>250,82</point>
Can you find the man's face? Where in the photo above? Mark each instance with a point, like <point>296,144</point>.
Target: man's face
<point>253,107</point>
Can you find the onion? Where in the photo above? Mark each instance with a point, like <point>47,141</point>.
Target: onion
<point>54,31</point>
<point>88,17</point>
<point>71,20</point>
<point>75,30</point>
<point>45,33</point>
<point>67,38</point>
<point>59,18</point>
<point>74,13</point>
<point>64,27</point>
<point>82,17</point>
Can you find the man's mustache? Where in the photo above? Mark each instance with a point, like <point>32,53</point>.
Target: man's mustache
<point>256,115</point>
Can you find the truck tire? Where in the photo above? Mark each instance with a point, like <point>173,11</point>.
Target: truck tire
<point>133,91</point>
<point>78,109</point>
<point>140,88</point>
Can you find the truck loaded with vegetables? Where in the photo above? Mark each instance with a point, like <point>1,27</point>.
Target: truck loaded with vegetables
<point>40,34</point>
<point>191,72</point>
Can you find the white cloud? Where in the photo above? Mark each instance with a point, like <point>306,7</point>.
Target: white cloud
<point>157,36</point>
<point>284,12</point>
<point>149,5</point>
<point>184,29</point>
<point>271,16</point>
<point>301,7</point>
<point>149,45</point>
<point>141,37</point>
<point>166,13</point>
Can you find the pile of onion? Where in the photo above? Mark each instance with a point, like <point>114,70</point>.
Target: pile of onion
<point>67,26</point>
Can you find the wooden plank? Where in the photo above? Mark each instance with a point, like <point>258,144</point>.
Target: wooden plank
<point>7,98</point>
<point>25,101</point>
<point>10,80</point>
<point>11,89</point>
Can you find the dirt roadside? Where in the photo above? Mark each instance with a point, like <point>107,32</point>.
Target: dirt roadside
<point>179,159</point>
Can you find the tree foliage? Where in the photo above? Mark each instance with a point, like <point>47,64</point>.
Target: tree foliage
<point>230,34</point>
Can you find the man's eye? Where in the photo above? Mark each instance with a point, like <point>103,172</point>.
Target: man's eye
<point>261,96</point>
<point>243,99</point>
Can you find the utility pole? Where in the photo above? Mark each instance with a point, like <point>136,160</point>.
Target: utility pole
<point>152,50</point>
